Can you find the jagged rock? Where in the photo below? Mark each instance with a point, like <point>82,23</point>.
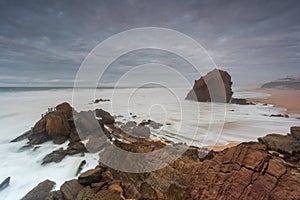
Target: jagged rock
<point>287,144</point>
<point>130,191</point>
<point>66,109</point>
<point>75,148</point>
<point>55,156</point>
<point>90,176</point>
<point>70,189</point>
<point>22,137</point>
<point>106,118</point>
<point>177,192</point>
<point>147,192</point>
<point>215,86</point>
<point>40,192</point>
<point>58,155</point>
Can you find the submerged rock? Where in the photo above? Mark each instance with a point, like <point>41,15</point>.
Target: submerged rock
<point>4,183</point>
<point>213,87</point>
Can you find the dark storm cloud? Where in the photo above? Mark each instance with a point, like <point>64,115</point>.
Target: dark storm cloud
<point>44,42</point>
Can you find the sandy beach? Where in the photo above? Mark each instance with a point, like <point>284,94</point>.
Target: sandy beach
<point>289,99</point>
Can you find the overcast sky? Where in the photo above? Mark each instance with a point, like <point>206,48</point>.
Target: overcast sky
<point>44,42</point>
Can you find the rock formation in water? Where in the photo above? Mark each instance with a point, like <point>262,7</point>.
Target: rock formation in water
<point>268,169</point>
<point>255,170</point>
<point>215,86</point>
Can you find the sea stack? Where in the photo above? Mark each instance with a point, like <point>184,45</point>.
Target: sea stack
<point>215,86</point>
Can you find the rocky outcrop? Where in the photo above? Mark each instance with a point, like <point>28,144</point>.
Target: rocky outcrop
<point>213,87</point>
<point>286,146</point>
<point>247,171</point>
<point>40,192</point>
<point>64,124</point>
<point>268,169</point>
<point>53,126</point>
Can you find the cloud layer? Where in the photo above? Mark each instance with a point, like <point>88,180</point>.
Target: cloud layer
<point>44,42</point>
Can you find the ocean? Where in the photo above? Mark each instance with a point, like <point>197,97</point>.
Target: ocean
<point>194,123</point>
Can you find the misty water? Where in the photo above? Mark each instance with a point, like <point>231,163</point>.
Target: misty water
<point>194,123</point>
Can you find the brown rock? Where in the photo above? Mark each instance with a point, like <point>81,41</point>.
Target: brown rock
<point>90,176</point>
<point>107,176</point>
<point>40,192</point>
<point>70,189</point>
<point>105,116</point>
<point>55,156</point>
<point>288,187</point>
<point>276,168</point>
<point>57,126</point>
<point>177,192</point>
<point>295,131</point>
<point>147,192</point>
<point>130,191</point>
<point>281,143</point>
<point>215,86</point>
<point>66,109</point>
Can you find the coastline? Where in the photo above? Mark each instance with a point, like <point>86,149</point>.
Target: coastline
<point>280,98</point>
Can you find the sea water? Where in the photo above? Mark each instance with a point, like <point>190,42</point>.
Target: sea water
<point>193,123</point>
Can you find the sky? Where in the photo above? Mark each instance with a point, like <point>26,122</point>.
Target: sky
<point>44,42</point>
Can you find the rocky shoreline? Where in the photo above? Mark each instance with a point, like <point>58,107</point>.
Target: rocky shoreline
<point>267,169</point>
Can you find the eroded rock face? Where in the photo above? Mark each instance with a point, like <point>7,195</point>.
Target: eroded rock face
<point>53,126</point>
<point>247,171</point>
<point>213,87</point>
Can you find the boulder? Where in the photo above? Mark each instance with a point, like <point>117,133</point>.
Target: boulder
<point>55,156</point>
<point>40,192</point>
<point>90,176</point>
<point>286,144</point>
<point>53,126</point>
<point>70,189</point>
<point>215,86</point>
<point>105,116</point>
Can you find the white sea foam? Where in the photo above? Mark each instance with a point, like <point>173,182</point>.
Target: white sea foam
<point>188,121</point>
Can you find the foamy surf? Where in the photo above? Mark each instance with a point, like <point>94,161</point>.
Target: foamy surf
<point>21,109</point>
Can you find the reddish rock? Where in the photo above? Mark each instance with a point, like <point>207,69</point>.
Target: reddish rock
<point>276,168</point>
<point>215,86</point>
